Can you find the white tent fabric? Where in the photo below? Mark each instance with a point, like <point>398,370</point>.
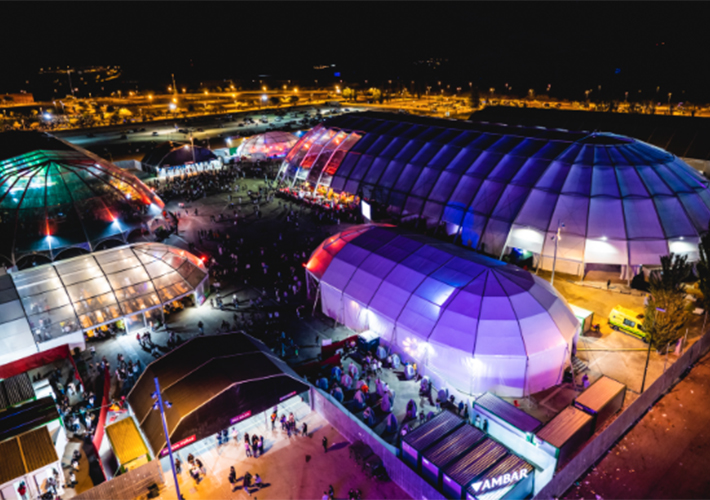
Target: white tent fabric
<point>476,323</point>
<point>52,304</point>
<point>267,145</point>
<point>622,201</point>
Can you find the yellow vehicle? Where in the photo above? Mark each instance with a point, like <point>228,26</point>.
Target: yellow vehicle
<point>627,321</point>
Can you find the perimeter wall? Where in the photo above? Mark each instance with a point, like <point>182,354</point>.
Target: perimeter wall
<point>599,445</point>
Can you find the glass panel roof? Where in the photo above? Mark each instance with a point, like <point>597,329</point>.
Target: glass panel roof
<point>90,290</point>
<point>55,195</point>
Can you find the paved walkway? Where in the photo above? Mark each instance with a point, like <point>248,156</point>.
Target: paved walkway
<point>291,468</point>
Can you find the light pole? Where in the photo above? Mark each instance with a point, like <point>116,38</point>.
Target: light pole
<point>158,405</point>
<point>560,225</point>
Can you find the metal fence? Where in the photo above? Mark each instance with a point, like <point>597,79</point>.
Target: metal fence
<point>596,448</point>
<point>131,485</point>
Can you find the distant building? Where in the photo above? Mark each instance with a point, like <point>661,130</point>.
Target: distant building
<point>20,98</point>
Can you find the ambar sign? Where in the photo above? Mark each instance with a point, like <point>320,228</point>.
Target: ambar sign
<point>499,481</point>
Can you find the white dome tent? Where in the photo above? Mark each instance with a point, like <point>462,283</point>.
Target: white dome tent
<point>267,145</point>
<point>501,188</point>
<point>473,322</point>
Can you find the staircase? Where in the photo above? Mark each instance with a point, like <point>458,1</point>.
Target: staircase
<point>578,365</point>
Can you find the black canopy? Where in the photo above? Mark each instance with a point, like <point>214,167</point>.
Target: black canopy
<point>210,381</point>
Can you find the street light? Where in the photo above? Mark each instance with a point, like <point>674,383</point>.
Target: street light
<point>158,405</point>
<point>560,225</point>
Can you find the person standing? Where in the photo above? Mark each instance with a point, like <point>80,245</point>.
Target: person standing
<point>325,444</point>
<point>304,431</point>
<point>233,478</point>
<point>257,481</point>
<point>247,482</point>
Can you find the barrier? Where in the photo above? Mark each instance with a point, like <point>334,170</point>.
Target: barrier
<point>352,429</point>
<point>132,484</point>
<point>36,360</point>
<point>101,422</point>
<point>601,443</point>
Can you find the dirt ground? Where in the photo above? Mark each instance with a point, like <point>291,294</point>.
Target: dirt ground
<point>665,455</point>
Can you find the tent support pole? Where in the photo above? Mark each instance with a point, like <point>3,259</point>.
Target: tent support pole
<point>315,302</point>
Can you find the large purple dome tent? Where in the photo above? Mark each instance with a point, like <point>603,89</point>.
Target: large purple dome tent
<point>472,322</point>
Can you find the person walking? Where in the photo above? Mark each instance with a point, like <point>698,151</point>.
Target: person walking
<point>304,431</point>
<point>325,444</point>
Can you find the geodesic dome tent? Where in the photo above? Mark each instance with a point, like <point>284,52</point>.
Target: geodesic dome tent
<point>498,188</point>
<point>267,145</point>
<point>470,321</point>
<point>54,195</point>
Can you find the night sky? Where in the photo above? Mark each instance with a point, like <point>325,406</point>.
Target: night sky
<point>572,46</point>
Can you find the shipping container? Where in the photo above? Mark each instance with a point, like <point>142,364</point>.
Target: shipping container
<point>565,433</point>
<point>510,479</point>
<point>604,398</point>
<point>438,456</point>
<point>426,435</point>
<point>489,410</point>
<point>458,476</point>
